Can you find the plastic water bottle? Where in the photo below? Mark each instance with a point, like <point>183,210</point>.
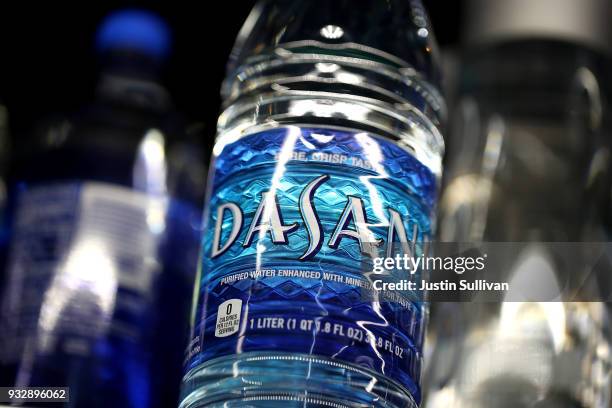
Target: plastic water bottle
<point>527,167</point>
<point>105,236</point>
<point>328,151</point>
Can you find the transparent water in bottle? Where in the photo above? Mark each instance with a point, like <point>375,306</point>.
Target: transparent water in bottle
<point>103,235</point>
<point>329,141</point>
<point>527,165</point>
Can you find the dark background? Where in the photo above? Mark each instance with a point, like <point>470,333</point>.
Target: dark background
<point>48,63</point>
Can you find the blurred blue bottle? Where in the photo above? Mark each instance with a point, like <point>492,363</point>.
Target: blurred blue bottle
<point>105,236</point>
<point>328,154</point>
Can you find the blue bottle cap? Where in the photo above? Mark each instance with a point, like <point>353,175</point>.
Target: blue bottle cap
<point>138,30</point>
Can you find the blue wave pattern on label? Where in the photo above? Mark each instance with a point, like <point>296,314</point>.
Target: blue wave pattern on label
<point>284,249</point>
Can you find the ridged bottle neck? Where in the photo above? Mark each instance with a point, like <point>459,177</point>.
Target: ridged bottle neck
<point>391,100</point>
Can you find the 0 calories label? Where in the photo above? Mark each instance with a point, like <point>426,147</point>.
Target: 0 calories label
<point>295,217</point>
<point>228,318</point>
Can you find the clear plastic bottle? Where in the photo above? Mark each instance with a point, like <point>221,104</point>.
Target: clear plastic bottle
<point>329,141</point>
<point>527,167</point>
<point>531,120</point>
<point>104,238</point>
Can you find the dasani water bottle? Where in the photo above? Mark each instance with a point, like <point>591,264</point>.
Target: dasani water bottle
<point>328,152</point>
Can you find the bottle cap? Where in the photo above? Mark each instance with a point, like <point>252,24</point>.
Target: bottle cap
<point>134,30</point>
<point>580,21</point>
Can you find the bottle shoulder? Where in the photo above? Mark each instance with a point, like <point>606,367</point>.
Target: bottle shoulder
<point>334,91</point>
<point>105,143</point>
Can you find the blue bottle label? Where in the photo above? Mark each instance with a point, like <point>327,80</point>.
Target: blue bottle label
<point>97,278</point>
<point>294,218</point>
<point>64,288</point>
